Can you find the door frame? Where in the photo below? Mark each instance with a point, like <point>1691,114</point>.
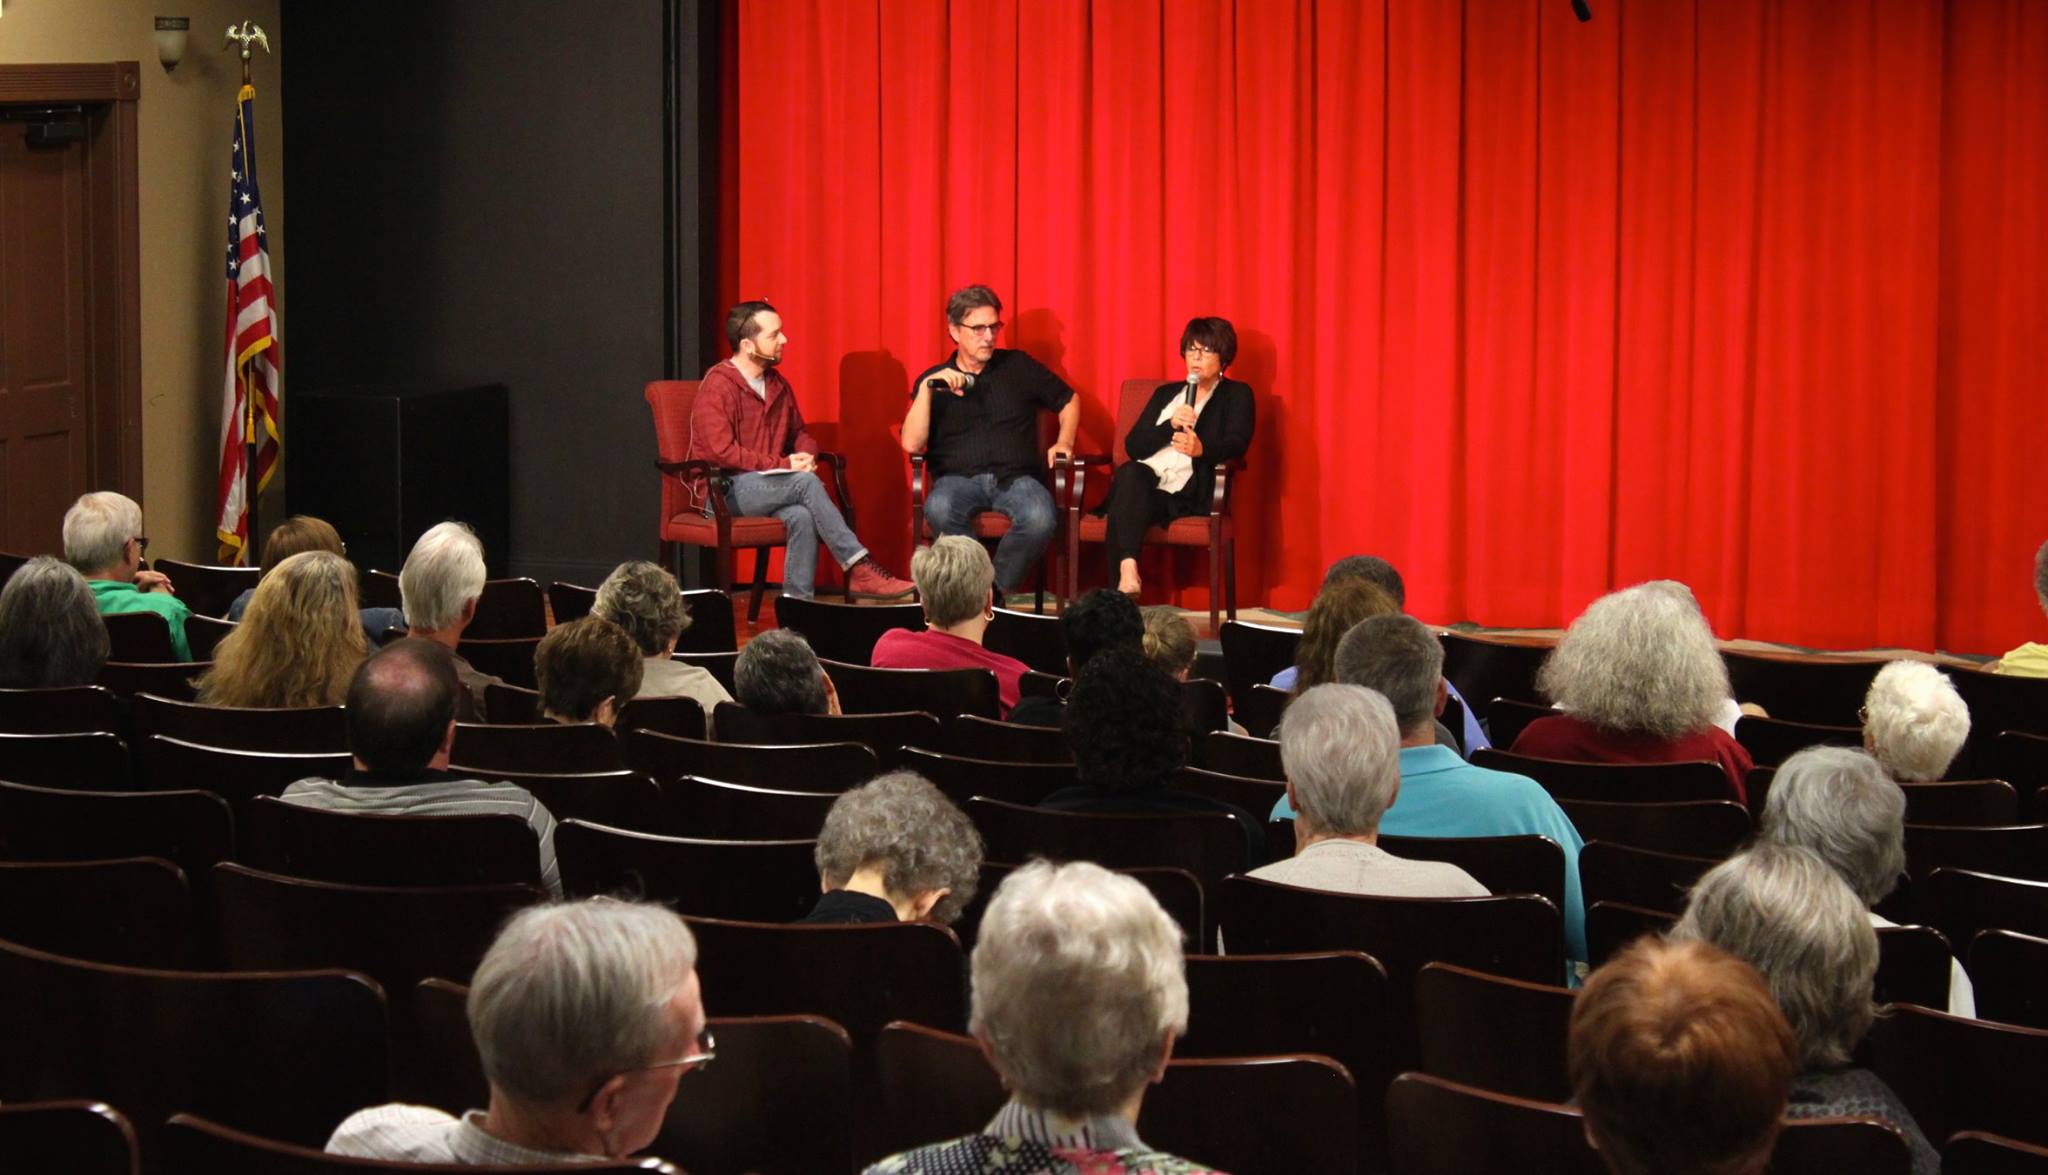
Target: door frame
<point>114,265</point>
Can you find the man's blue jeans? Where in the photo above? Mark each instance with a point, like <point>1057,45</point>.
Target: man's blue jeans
<point>808,513</point>
<point>954,499</point>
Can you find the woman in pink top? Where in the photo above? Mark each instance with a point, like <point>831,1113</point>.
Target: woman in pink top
<point>956,581</point>
<point>1640,680</point>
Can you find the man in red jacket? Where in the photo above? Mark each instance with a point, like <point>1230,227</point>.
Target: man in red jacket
<point>745,418</point>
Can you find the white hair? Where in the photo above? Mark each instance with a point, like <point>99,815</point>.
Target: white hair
<point>1078,982</point>
<point>1914,721</point>
<point>444,571</point>
<point>1839,803</point>
<point>572,993</point>
<point>1341,750</point>
<point>97,529</point>
<point>1641,660</point>
<point>953,578</point>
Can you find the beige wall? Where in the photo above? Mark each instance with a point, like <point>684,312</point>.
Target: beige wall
<point>185,117</point>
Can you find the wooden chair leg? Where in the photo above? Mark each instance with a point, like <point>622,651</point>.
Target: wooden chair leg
<point>1230,575</point>
<point>724,561</point>
<point>1038,602</point>
<point>760,582</point>
<point>672,558</point>
<point>1215,579</point>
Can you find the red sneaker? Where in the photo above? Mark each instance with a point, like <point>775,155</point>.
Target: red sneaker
<point>868,580</point>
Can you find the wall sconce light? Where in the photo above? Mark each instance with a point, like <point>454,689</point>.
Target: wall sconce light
<point>171,32</point>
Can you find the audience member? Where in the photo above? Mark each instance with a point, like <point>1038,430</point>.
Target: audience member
<point>777,673</point>
<point>1838,803</point>
<point>1782,910</point>
<point>1079,995</point>
<point>298,644</point>
<point>1101,619</point>
<point>585,1015</point>
<point>644,600</point>
<point>1914,721</point>
<point>956,583</point>
<point>103,539</point>
<point>301,533</point>
<point>1640,680</point>
<point>1169,641</point>
<point>51,633</point>
<point>1336,609</point>
<point>439,586</point>
<point>2030,659</point>
<point>401,726</point>
<point>1340,749</point>
<point>587,669</point>
<point>895,849</point>
<point>1680,1062</point>
<point>1442,795</point>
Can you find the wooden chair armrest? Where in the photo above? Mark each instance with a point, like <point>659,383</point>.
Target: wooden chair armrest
<point>1219,498</point>
<point>836,463</point>
<point>688,469</point>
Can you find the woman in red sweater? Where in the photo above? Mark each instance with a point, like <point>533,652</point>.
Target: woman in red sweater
<point>956,582</point>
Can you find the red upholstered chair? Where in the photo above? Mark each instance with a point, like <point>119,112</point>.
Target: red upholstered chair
<point>1216,530</point>
<point>685,525</point>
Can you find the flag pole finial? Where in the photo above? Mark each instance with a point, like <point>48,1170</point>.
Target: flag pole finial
<point>246,34</point>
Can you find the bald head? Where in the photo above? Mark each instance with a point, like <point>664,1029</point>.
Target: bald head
<point>400,703</point>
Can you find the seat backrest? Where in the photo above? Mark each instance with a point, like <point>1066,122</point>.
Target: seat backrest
<point>2021,759</point>
<point>379,589</point>
<point>93,760</point>
<point>158,1042</point>
<point>680,716</point>
<point>2008,850</point>
<point>763,880</point>
<point>76,1137</point>
<point>191,829</point>
<point>568,601</point>
<point>1252,654</point>
<point>1771,741</point>
<point>1611,926</point>
<point>72,709</point>
<point>878,973</point>
<point>962,778</point>
<point>308,730</point>
<point>1964,801</point>
<point>166,679</point>
<point>235,776</point>
<point>1627,783</point>
<point>203,634</point>
<point>942,692</point>
<point>720,665</point>
<point>1503,1035</point>
<point>1203,706</point>
<point>508,658</point>
<point>710,810</point>
<point>845,632</point>
<point>623,799</point>
<point>883,734</point>
<point>135,912</point>
<point>1236,754</point>
<point>1036,640</point>
<point>2006,968</point>
<point>194,1145</point>
<point>1687,828</point>
<point>508,609</point>
<point>560,748</point>
<point>825,767</point>
<point>1507,716</point>
<point>1998,702</point>
<point>773,1072</point>
<point>1256,796</point>
<point>1260,713</point>
<point>441,1064</point>
<point>975,737</point>
<point>1503,864</point>
<point>506,704</point>
<point>208,590</point>
<point>139,636</point>
<point>1912,966</point>
<point>1964,902</point>
<point>1973,1152</point>
<point>374,848</point>
<point>1955,1073</point>
<point>711,626</point>
<point>1177,891</point>
<point>934,1085</point>
<point>1208,845</point>
<point>1488,667</point>
<point>1822,691</point>
<point>1609,872</point>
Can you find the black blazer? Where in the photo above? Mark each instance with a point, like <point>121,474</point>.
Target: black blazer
<point>1225,427</point>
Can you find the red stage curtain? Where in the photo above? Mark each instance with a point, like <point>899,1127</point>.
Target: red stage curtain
<point>1746,294</point>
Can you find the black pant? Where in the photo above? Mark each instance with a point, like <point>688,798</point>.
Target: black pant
<point>1135,503</point>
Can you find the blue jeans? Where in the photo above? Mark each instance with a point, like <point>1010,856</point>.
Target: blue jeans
<point>807,512</point>
<point>1024,499</point>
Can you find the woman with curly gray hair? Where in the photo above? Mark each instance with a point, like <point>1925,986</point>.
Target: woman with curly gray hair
<point>644,600</point>
<point>895,849</point>
<point>1640,680</point>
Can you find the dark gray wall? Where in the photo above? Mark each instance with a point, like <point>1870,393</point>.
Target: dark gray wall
<point>487,191</point>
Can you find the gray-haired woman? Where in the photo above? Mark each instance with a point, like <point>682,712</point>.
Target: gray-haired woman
<point>895,849</point>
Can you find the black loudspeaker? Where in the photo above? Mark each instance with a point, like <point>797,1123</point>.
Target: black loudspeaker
<point>383,464</point>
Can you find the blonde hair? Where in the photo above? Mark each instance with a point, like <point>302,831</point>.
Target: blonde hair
<point>296,535</point>
<point>953,578</point>
<point>298,644</point>
<point>1169,639</point>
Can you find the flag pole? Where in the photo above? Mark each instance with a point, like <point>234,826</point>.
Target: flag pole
<point>247,34</point>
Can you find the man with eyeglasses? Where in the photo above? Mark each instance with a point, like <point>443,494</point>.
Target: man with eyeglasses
<point>103,539</point>
<point>975,417</point>
<point>585,1015</point>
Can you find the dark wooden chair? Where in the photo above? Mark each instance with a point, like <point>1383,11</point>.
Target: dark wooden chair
<point>1771,741</point>
<point>203,634</point>
<point>1210,846</point>
<point>208,590</point>
<point>1033,684</point>
<point>845,633</point>
<point>679,716</point>
<point>710,810</point>
<point>397,935</point>
<point>508,609</point>
<point>1686,828</point>
<point>77,1137</point>
<point>1252,654</point>
<point>1974,802</point>
<point>379,589</point>
<point>1235,754</point>
<point>884,734</point>
<point>559,748</point>
<point>1626,783</point>
<point>94,760</point>
<point>1503,864</point>
<point>311,729</point>
<point>935,1085</point>
<point>622,799</point>
<point>1825,691</point>
<point>170,764</point>
<point>943,692</point>
<point>1912,966</point>
<point>74,709</point>
<point>1998,703</point>
<point>720,665</point>
<point>364,848</point>
<point>1957,1074</point>
<point>2006,968</point>
<point>824,767</point>
<point>711,628</point>
<point>1506,717</point>
<point>779,1101</point>
<point>569,601</point>
<point>1177,891</point>
<point>1030,637</point>
<point>1502,1035</point>
<point>1609,872</point>
<point>437,1059</point>
<point>962,779</point>
<point>1203,706</point>
<point>166,679</point>
<point>1961,902</point>
<point>1973,1152</point>
<point>1488,667</point>
<point>686,486</point>
<point>2010,850</point>
<point>975,737</point>
<point>191,829</point>
<point>1260,714</point>
<point>509,659</point>
<point>764,880</point>
<point>139,636</point>
<point>1256,796</point>
<point>511,705</point>
<point>134,912</point>
<point>1611,926</point>
<point>879,972</point>
<point>196,1146</point>
<point>157,1042</point>
<point>2020,758</point>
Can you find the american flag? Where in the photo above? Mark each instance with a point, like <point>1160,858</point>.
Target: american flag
<point>253,358</point>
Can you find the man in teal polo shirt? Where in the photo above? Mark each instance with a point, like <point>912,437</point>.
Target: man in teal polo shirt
<point>1441,794</point>
<point>103,538</point>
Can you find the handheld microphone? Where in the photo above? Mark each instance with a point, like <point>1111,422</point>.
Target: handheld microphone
<point>1193,384</point>
<point>939,385</point>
